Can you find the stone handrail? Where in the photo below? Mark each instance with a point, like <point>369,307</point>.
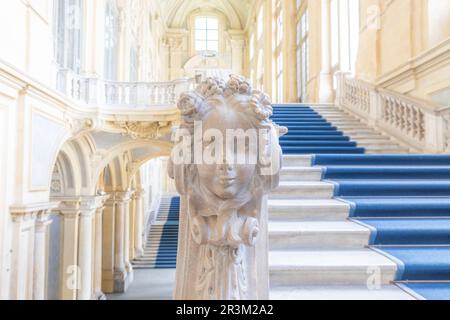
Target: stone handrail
<point>92,91</point>
<point>423,125</point>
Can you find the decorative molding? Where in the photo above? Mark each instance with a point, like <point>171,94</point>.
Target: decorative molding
<point>144,130</point>
<point>32,211</point>
<point>433,59</point>
<point>79,126</point>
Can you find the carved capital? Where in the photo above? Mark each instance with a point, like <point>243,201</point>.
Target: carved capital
<point>79,126</point>
<point>36,212</point>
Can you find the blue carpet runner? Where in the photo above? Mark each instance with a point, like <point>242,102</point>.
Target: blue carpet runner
<point>403,199</point>
<point>167,252</point>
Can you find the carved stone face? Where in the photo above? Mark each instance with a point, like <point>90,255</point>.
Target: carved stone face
<point>227,179</point>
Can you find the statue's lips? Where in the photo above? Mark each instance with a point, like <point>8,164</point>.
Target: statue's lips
<point>226,181</point>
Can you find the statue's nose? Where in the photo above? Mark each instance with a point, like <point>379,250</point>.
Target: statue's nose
<point>226,164</point>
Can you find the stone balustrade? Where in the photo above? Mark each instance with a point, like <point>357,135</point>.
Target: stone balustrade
<point>422,125</point>
<point>93,91</point>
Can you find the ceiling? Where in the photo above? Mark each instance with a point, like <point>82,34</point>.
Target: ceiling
<point>175,12</point>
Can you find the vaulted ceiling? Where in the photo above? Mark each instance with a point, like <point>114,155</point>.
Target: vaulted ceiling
<point>175,12</point>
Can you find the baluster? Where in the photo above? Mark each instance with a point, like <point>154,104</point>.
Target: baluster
<point>151,95</point>
<point>447,132</point>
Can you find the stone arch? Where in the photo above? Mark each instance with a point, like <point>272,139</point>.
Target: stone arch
<point>179,11</point>
<point>151,148</point>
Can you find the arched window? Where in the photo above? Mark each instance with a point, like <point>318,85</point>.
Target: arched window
<point>111,40</point>
<point>344,34</point>
<point>68,42</point>
<point>278,49</point>
<point>207,34</point>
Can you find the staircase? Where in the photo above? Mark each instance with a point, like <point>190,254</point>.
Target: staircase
<point>346,224</point>
<point>160,250</point>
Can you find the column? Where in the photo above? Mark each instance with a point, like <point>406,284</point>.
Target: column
<point>176,56</point>
<point>326,77</point>
<point>124,45</point>
<point>108,249</point>
<point>127,240</point>
<point>21,262</point>
<point>41,255</point>
<point>98,239</point>
<point>131,226</point>
<point>138,224</point>
<point>70,273</point>
<point>94,43</point>
<point>237,54</point>
<point>290,52</point>
<point>85,255</point>
<point>121,279</point>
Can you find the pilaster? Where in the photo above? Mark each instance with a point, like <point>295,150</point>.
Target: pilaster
<point>122,266</point>
<point>138,223</point>
<point>29,251</point>
<point>326,76</point>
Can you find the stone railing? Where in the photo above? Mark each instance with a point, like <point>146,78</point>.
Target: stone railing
<point>104,93</point>
<point>422,125</point>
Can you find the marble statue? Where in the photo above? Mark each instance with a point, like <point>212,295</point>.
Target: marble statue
<point>226,160</point>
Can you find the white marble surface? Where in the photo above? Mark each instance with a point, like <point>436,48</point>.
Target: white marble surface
<point>149,284</point>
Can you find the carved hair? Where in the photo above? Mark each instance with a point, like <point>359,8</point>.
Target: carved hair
<point>237,94</point>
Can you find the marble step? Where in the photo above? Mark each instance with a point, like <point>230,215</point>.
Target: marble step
<point>381,146</point>
<point>378,144</point>
<point>387,151</point>
<point>344,122</point>
<point>301,174</point>
<point>319,235</point>
<point>329,267</point>
<point>297,161</point>
<point>358,131</point>
<point>339,292</point>
<point>308,210</point>
<point>373,140</point>
<point>303,190</point>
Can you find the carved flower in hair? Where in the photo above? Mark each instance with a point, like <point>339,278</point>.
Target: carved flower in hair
<point>261,105</point>
<point>211,87</point>
<point>238,84</point>
<point>187,104</point>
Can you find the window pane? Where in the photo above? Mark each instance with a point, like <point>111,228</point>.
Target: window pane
<point>200,23</point>
<point>212,24</point>
<point>200,45</point>
<point>200,35</point>
<point>213,35</point>
<point>213,46</point>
